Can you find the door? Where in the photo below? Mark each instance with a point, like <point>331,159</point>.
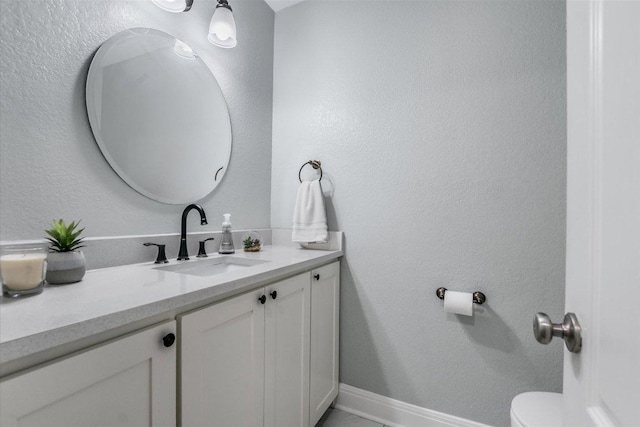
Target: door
<point>222,363</point>
<point>127,382</point>
<point>325,319</point>
<point>287,317</point>
<point>602,382</point>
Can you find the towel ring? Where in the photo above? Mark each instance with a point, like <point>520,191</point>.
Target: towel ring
<point>315,164</point>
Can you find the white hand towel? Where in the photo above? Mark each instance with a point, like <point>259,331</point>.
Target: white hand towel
<point>309,214</point>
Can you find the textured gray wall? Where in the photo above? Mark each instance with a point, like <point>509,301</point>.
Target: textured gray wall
<point>441,129</point>
<point>50,165</point>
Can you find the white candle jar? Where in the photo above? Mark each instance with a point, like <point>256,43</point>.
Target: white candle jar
<point>22,270</point>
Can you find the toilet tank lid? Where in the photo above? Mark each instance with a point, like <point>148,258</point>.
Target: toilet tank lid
<point>538,409</point>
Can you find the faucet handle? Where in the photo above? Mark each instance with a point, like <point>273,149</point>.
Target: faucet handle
<point>162,257</point>
<point>202,253</point>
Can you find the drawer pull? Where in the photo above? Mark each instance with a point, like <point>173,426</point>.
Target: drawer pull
<point>168,340</point>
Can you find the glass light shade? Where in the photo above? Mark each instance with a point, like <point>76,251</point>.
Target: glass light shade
<point>175,6</point>
<point>183,50</point>
<point>222,30</point>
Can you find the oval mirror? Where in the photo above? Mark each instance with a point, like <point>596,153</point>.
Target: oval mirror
<point>158,116</point>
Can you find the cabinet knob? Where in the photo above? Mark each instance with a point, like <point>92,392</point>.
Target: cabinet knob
<point>274,294</point>
<point>316,276</point>
<point>262,299</point>
<point>168,340</point>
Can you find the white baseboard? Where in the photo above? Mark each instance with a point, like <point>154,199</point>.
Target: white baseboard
<point>394,413</point>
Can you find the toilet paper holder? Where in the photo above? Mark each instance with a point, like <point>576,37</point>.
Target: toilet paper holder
<point>478,297</point>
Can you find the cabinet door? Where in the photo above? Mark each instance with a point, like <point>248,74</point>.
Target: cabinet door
<point>127,382</point>
<point>325,306</point>
<point>222,363</point>
<point>287,317</point>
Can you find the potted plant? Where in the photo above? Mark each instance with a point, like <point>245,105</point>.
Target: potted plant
<point>251,245</point>
<point>65,262</point>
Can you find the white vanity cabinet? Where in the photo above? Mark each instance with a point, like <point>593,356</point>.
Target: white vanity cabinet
<point>287,325</point>
<point>266,358</point>
<point>245,361</point>
<point>221,379</point>
<point>325,319</point>
<point>129,381</point>
<point>257,359</point>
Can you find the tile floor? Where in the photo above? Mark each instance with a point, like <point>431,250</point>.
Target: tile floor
<point>337,418</point>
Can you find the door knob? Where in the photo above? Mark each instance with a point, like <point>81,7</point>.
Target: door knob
<point>569,330</point>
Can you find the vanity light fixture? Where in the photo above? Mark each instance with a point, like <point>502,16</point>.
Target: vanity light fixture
<point>175,6</point>
<point>222,29</point>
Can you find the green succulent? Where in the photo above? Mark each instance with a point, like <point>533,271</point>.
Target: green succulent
<point>65,238</point>
<point>250,243</point>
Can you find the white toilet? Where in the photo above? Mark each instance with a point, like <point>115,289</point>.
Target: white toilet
<point>537,409</point>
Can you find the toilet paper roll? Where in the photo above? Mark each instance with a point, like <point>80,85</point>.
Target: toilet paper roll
<point>458,303</point>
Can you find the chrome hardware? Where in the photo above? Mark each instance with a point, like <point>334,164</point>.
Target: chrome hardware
<point>314,164</point>
<point>478,297</point>
<point>569,330</point>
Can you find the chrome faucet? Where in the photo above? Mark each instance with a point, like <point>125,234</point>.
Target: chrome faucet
<point>183,254</point>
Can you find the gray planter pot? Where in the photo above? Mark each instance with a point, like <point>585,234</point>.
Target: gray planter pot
<point>65,267</point>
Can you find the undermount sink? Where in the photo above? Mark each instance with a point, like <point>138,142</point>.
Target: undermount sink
<point>211,266</point>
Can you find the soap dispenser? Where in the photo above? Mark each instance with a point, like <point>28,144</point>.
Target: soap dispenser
<point>226,244</point>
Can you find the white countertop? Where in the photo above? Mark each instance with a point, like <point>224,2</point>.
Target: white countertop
<point>110,298</point>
